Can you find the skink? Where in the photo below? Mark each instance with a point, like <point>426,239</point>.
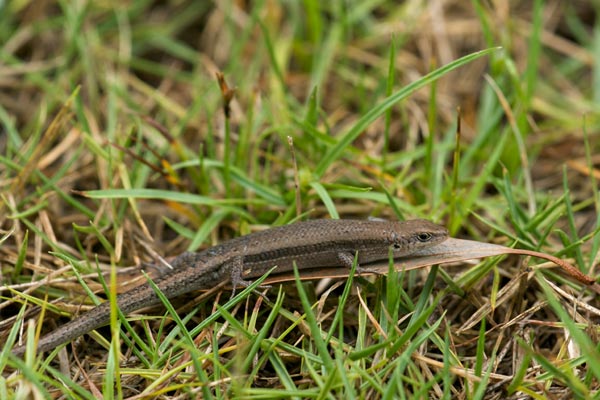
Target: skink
<point>308,245</point>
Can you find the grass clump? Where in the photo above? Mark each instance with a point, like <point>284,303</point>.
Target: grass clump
<point>119,146</point>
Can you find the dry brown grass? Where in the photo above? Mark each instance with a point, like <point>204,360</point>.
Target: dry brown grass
<point>147,100</point>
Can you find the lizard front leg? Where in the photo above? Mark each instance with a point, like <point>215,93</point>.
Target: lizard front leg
<point>347,260</point>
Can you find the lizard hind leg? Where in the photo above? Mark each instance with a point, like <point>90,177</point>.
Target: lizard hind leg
<point>236,270</point>
<point>236,273</point>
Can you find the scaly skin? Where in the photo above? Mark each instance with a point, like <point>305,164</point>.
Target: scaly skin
<point>310,244</point>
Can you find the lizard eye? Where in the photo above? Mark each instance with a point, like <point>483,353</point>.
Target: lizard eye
<point>424,237</point>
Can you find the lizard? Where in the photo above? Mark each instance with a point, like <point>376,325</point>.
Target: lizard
<point>319,243</point>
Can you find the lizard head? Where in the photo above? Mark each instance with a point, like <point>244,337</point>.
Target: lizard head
<point>409,236</point>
